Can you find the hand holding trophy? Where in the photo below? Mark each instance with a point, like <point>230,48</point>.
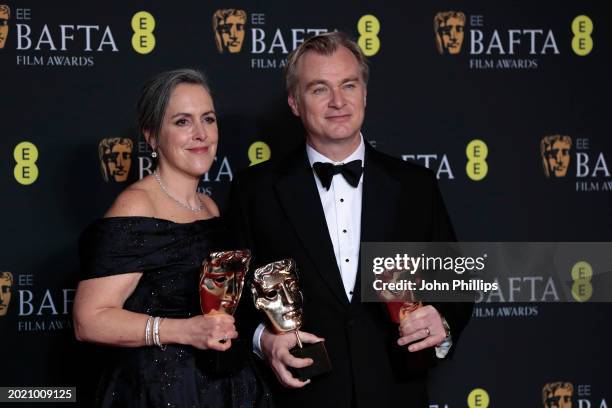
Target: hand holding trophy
<point>222,280</point>
<point>276,292</point>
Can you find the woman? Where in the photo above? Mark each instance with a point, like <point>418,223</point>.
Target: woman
<point>141,264</point>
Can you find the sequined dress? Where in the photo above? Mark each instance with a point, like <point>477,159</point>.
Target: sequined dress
<point>169,255</point>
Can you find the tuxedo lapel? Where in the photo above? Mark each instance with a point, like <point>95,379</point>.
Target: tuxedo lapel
<point>298,195</point>
<point>379,206</point>
<point>381,199</point>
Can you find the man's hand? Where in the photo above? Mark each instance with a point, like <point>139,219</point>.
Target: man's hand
<point>423,324</point>
<point>276,349</point>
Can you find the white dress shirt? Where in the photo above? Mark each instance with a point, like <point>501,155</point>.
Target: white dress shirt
<point>342,208</point>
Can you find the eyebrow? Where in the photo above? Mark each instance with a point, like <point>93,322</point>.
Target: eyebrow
<point>322,82</point>
<point>189,114</point>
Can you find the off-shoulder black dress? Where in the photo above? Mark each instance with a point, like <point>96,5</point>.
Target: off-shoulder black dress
<point>169,255</point>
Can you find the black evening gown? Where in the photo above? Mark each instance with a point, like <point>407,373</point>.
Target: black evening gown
<point>169,255</point>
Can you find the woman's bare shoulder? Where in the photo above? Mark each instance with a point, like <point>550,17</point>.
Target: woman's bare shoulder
<point>136,200</point>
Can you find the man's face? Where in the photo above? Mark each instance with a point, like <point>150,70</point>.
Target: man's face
<point>4,27</point>
<point>558,158</point>
<point>118,161</point>
<point>5,292</point>
<point>231,32</point>
<point>279,296</point>
<point>561,398</point>
<point>451,34</point>
<point>329,96</point>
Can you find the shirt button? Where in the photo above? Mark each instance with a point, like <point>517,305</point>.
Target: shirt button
<point>344,231</point>
<point>342,200</point>
<point>346,260</point>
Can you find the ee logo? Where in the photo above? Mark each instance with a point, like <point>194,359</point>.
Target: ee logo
<point>26,171</point>
<point>477,167</point>
<point>582,273</point>
<point>143,40</point>
<point>478,398</point>
<point>582,42</point>
<point>259,152</point>
<point>368,27</point>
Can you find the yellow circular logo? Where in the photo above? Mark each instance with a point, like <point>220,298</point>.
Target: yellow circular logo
<point>259,152</point>
<point>143,40</point>
<point>582,290</point>
<point>582,42</point>
<point>368,27</point>
<point>477,167</point>
<point>478,398</point>
<point>26,170</point>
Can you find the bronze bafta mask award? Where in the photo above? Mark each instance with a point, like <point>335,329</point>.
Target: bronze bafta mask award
<point>222,279</point>
<point>400,303</point>
<point>276,292</point>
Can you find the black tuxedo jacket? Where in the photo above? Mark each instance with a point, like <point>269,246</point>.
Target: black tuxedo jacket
<point>275,210</point>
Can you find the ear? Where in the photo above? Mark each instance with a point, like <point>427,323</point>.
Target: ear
<point>293,103</point>
<point>150,139</point>
<point>365,97</point>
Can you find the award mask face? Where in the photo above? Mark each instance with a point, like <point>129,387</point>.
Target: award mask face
<point>276,292</point>
<point>222,279</point>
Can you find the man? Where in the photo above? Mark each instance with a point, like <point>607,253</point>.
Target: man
<point>449,31</point>
<point>228,26</point>
<point>115,158</point>
<point>284,209</point>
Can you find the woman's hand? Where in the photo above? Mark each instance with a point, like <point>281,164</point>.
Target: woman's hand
<point>213,331</point>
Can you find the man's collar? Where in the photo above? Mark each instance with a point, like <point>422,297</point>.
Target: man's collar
<point>314,156</point>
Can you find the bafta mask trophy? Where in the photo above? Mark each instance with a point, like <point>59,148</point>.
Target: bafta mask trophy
<point>221,283</point>
<point>222,279</point>
<point>276,292</point>
<point>400,303</point>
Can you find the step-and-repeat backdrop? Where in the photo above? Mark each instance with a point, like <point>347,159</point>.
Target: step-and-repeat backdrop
<point>507,102</point>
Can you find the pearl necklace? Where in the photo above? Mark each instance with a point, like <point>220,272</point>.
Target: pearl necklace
<point>179,202</point>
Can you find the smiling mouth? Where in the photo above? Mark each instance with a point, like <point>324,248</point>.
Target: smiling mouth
<point>199,150</point>
<point>338,117</point>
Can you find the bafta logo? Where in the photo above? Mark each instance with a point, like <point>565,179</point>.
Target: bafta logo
<point>115,158</point>
<point>449,30</point>
<point>555,151</point>
<point>6,283</point>
<point>228,26</point>
<point>5,14</point>
<point>557,395</point>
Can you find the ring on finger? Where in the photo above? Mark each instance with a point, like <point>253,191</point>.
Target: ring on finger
<point>427,331</point>
<point>224,339</point>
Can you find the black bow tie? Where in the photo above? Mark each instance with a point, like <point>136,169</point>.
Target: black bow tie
<point>351,172</point>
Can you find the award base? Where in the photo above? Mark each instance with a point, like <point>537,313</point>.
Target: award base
<point>318,354</point>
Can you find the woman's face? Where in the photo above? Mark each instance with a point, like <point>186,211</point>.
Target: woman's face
<point>188,137</point>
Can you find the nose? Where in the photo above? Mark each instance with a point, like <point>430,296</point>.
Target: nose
<point>199,133</point>
<point>337,99</point>
<point>287,295</point>
<point>453,34</point>
<point>120,160</point>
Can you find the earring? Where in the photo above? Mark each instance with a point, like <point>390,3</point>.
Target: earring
<point>154,154</point>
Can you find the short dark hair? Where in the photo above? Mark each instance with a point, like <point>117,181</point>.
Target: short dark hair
<point>324,44</point>
<point>155,95</point>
